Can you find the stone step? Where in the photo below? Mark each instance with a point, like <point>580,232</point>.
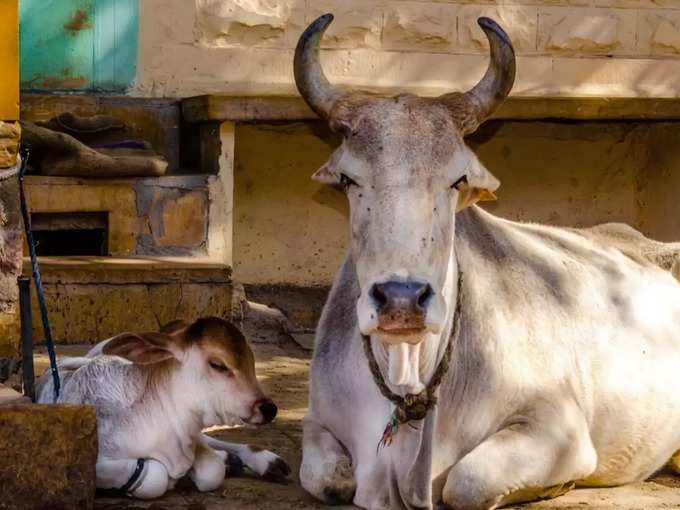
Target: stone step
<point>92,298</point>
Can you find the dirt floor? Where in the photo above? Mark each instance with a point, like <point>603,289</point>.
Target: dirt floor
<point>283,371</point>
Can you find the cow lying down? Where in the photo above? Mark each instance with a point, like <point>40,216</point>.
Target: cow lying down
<point>155,392</point>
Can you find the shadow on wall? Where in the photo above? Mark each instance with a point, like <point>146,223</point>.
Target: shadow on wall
<point>290,230</point>
<point>78,45</point>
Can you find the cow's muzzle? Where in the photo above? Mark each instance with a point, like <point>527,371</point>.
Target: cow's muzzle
<point>401,306</point>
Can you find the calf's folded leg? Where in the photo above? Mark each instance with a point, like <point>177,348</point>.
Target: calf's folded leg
<point>208,469</point>
<point>326,471</point>
<point>261,462</point>
<point>535,458</point>
<point>152,482</point>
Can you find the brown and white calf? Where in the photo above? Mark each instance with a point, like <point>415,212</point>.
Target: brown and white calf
<point>155,392</point>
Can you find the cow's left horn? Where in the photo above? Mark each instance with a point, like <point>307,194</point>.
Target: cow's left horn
<point>309,77</point>
<point>477,104</point>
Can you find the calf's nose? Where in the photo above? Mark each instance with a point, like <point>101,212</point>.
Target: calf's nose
<point>268,410</point>
<point>401,305</point>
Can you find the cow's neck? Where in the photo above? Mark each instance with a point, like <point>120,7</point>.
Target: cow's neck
<point>407,368</point>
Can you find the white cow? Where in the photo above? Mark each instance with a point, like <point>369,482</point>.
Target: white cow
<point>554,356</point>
<point>155,392</point>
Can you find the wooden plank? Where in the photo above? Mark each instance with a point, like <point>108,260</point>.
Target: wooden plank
<point>9,60</point>
<point>115,44</point>
<point>213,108</point>
<point>56,44</point>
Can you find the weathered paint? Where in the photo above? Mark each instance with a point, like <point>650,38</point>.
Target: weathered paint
<point>9,60</point>
<point>78,45</point>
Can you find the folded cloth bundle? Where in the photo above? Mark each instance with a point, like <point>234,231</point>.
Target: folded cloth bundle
<point>58,147</point>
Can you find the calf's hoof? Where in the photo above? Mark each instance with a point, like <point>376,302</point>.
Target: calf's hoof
<point>234,465</point>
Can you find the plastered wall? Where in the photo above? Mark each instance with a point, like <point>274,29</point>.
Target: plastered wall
<point>291,230</point>
<point>565,47</point>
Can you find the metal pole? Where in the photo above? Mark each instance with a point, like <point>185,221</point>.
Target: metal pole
<point>26,337</point>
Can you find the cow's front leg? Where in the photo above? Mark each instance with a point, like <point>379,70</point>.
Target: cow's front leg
<point>326,471</point>
<point>535,458</point>
<point>152,480</point>
<point>208,469</point>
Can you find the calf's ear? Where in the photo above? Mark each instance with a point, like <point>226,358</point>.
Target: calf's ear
<point>142,348</point>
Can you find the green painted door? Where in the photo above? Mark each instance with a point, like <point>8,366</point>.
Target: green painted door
<point>78,45</point>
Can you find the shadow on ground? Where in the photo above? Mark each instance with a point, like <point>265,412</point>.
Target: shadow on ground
<point>283,371</point>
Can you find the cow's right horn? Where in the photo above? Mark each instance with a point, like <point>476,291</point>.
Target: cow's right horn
<point>309,77</point>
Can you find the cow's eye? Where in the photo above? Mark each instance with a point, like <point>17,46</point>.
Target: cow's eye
<point>220,367</point>
<point>456,185</point>
<point>346,182</point>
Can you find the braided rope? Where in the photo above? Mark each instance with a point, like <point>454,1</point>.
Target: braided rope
<point>413,407</point>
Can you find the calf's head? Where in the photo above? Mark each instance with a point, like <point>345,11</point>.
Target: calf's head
<point>406,170</point>
<point>208,364</point>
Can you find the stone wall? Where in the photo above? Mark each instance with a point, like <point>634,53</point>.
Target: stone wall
<point>565,47</point>
<point>165,216</point>
<point>290,230</point>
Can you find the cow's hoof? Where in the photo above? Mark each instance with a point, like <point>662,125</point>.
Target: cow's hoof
<point>278,471</point>
<point>339,489</point>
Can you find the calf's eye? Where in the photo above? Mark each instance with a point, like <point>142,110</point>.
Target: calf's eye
<point>219,367</point>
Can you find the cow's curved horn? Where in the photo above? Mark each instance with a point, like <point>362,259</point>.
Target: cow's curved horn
<point>474,106</point>
<point>319,94</point>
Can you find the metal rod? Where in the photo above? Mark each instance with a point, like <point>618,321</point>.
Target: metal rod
<point>36,274</point>
<point>26,337</point>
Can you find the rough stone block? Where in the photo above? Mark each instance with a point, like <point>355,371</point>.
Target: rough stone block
<point>184,221</point>
<point>587,31</point>
<point>49,454</point>
<point>659,32</point>
<point>88,313</point>
<point>519,21</point>
<point>227,23</point>
<point>357,24</point>
<point>10,136</point>
<point>420,26</point>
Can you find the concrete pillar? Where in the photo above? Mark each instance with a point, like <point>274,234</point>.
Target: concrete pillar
<point>221,193</point>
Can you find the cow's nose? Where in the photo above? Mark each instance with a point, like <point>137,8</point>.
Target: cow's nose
<point>401,305</point>
<point>268,410</point>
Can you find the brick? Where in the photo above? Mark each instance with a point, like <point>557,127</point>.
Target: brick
<point>228,23</point>
<point>637,4</point>
<point>586,31</point>
<point>49,454</point>
<point>420,26</point>
<point>183,221</point>
<point>518,21</point>
<point>10,136</point>
<point>357,24</point>
<point>659,32</point>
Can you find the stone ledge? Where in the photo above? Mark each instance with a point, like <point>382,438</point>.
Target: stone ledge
<point>49,454</point>
<point>217,108</point>
<point>129,270</point>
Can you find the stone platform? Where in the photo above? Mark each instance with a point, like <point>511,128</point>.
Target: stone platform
<point>92,298</point>
<point>48,455</point>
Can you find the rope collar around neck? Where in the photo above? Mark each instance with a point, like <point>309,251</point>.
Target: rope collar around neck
<point>412,407</point>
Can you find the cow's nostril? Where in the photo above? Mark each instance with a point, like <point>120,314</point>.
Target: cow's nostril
<point>268,410</point>
<point>379,297</point>
<point>425,293</point>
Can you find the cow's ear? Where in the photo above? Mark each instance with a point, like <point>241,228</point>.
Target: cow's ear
<point>480,184</point>
<point>326,175</point>
<point>143,348</point>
